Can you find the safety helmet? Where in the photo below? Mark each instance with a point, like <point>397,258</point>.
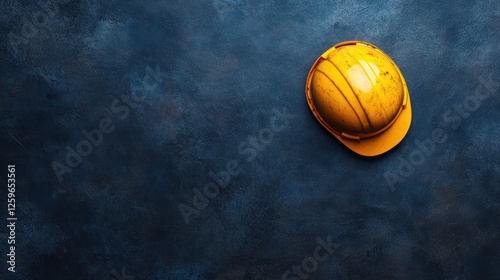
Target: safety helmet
<point>359,95</point>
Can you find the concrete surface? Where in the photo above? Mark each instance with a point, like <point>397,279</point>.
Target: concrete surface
<point>118,114</point>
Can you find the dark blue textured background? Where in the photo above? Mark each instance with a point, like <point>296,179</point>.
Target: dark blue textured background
<point>227,66</point>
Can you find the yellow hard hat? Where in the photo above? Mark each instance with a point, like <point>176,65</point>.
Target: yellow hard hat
<point>359,95</point>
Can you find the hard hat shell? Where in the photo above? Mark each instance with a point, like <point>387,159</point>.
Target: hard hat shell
<point>359,95</point>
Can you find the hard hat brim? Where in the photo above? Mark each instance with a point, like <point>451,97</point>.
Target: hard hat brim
<point>385,141</point>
